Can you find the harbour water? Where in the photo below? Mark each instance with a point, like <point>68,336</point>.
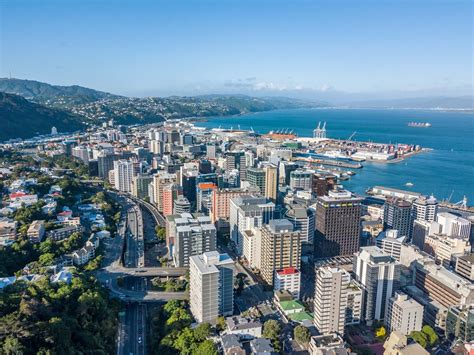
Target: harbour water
<point>446,171</point>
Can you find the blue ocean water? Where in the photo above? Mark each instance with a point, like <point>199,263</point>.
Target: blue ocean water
<point>447,170</point>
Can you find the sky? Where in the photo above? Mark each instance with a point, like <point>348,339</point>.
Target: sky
<point>360,49</point>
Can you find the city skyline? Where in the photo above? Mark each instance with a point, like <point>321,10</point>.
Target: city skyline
<point>321,50</point>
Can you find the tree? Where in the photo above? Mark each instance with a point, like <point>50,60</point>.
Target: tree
<point>380,332</point>
<point>185,341</point>
<point>202,331</point>
<point>302,334</point>
<point>160,233</point>
<point>220,324</point>
<point>179,319</point>
<point>420,337</point>
<point>271,329</point>
<point>46,259</point>
<point>171,306</point>
<point>12,346</point>
<point>207,347</point>
<point>431,334</point>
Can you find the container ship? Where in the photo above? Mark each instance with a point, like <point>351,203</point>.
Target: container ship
<point>419,124</point>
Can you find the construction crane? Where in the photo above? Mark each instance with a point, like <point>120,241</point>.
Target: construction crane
<point>352,135</point>
<point>462,204</point>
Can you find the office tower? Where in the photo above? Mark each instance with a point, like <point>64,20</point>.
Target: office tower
<point>379,273</point>
<point>301,180</point>
<point>188,181</point>
<point>82,153</point>
<point>256,177</point>
<point>404,314</point>
<point>338,224</point>
<point>465,266</point>
<point>181,205</point>
<point>249,159</point>
<point>454,226</point>
<point>337,300</point>
<point>229,179</point>
<point>204,196</point>
<point>246,212</point>
<point>252,247</point>
<point>171,192</point>
<point>323,183</point>
<point>442,285</point>
<point>281,248</point>
<point>93,167</point>
<point>460,323</point>
<point>220,205</point>
<point>390,243</point>
<point>211,150</point>
<point>140,184</point>
<point>425,208</point>
<point>186,139</point>
<point>123,174</point>
<point>303,219</point>
<point>193,235</point>
<point>157,147</point>
<point>211,291</point>
<point>286,168</point>
<point>105,164</point>
<point>271,182</point>
<point>398,215</point>
<point>236,160</point>
<point>160,180</point>
<point>173,137</point>
<point>421,230</point>
<point>288,279</point>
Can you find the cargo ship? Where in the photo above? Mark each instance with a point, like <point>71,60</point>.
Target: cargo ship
<point>419,124</point>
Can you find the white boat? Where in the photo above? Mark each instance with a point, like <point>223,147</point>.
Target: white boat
<point>409,184</point>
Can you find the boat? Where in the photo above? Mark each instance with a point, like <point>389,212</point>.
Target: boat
<point>419,124</point>
<point>409,184</point>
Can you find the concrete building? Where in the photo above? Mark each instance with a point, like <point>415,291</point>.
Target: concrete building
<point>379,273</point>
<point>398,215</point>
<point>36,231</point>
<point>460,323</point>
<point>246,212</point>
<point>303,219</point>
<point>193,235</point>
<point>161,180</point>
<point>422,229</point>
<point>140,185</point>
<point>328,344</point>
<point>288,279</point>
<point>220,206</point>
<point>236,160</point>
<point>281,248</point>
<point>245,328</point>
<point>404,314</point>
<point>123,174</point>
<point>454,226</point>
<point>337,300</point>
<point>171,193</point>
<point>211,291</point>
<point>301,180</point>
<point>8,230</point>
<point>256,177</point>
<point>271,182</point>
<point>390,243</point>
<point>204,196</point>
<point>64,232</point>
<point>425,208</point>
<point>445,248</point>
<point>465,266</point>
<point>323,183</point>
<point>181,205</point>
<point>252,247</point>
<point>338,224</point>
<point>397,344</point>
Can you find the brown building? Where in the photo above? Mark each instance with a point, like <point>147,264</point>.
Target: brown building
<point>323,183</point>
<point>338,224</point>
<point>281,248</point>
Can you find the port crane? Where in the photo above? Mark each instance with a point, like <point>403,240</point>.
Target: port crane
<point>462,204</point>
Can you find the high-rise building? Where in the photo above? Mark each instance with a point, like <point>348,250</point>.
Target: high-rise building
<point>211,290</point>
<point>171,192</point>
<point>445,248</point>
<point>465,266</point>
<point>390,243</point>
<point>303,219</point>
<point>252,247</point>
<point>192,234</point>
<point>160,180</point>
<point>246,212</point>
<point>220,205</point>
<point>181,205</point>
<point>338,224</point>
<point>286,168</point>
<point>460,323</point>
<point>379,273</point>
<point>453,225</point>
<point>123,174</point>
<point>105,164</point>
<point>288,279</point>
<point>398,215</point>
<point>281,248</point>
<point>271,182</point>
<point>301,180</point>
<point>82,153</point>
<point>337,300</point>
<point>140,185</point>
<point>256,177</point>
<point>323,183</point>
<point>404,314</point>
<point>236,160</point>
<point>188,181</point>
<point>211,150</point>
<point>204,196</point>
<point>229,179</point>
<point>421,230</point>
<point>425,208</point>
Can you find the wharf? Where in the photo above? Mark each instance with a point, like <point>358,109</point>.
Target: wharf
<point>329,162</point>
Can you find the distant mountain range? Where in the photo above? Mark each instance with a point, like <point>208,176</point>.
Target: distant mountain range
<point>20,118</point>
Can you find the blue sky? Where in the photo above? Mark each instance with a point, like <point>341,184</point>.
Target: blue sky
<point>397,48</point>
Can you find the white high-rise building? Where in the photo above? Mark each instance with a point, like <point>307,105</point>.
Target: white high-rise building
<point>404,314</point>
<point>123,174</point>
<point>390,243</point>
<point>379,273</point>
<point>454,226</point>
<point>211,291</point>
<point>303,219</point>
<point>425,209</point>
<point>337,300</point>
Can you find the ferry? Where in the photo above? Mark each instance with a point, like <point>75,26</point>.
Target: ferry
<point>419,124</point>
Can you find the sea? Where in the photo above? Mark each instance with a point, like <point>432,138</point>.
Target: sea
<point>446,171</point>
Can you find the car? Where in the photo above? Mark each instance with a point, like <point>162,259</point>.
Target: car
<point>139,340</point>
